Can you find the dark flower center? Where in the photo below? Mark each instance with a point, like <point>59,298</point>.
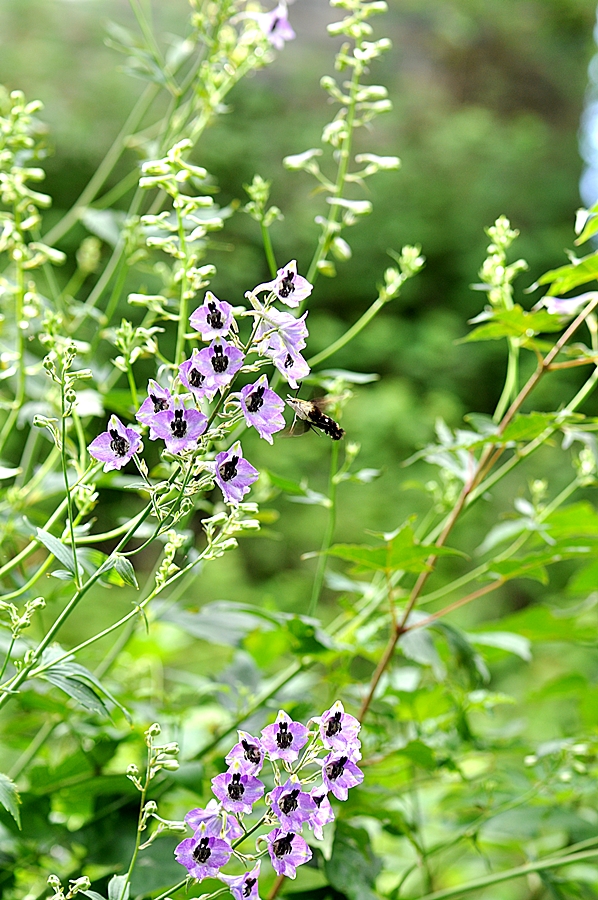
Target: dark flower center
<point>160,403</point>
<point>318,800</point>
<point>283,845</point>
<point>195,378</point>
<point>214,317</point>
<point>286,285</point>
<point>235,788</point>
<point>228,470</point>
<point>256,400</point>
<point>334,725</point>
<point>178,426</point>
<point>288,803</point>
<point>219,360</point>
<point>284,738</point>
<point>202,852</point>
<point>118,444</point>
<point>249,882</point>
<point>335,769</point>
<point>252,752</point>
<point>288,363</point>
<point>274,25</point>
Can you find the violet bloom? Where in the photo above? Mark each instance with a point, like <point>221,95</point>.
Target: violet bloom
<point>249,752</point>
<point>237,791</point>
<point>292,805</point>
<point>262,408</point>
<point>234,475</point>
<point>287,851</point>
<point>285,738</point>
<point>213,319</point>
<point>339,774</point>
<point>212,820</point>
<point>194,379</point>
<point>323,814</point>
<point>203,855</point>
<point>116,446</point>
<point>158,399</point>
<point>289,287</point>
<point>243,887</point>
<point>278,329</point>
<point>291,365</point>
<point>567,306</point>
<point>180,428</point>
<point>218,363</point>
<point>339,730</point>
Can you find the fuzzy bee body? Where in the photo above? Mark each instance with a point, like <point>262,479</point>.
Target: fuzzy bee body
<point>310,412</point>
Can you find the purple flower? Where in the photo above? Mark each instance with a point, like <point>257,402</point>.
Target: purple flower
<point>339,774</point>
<point>195,380</point>
<point>218,363</point>
<point>292,805</point>
<point>249,752</point>
<point>203,854</point>
<point>278,329</point>
<point>287,851</point>
<point>158,399</point>
<point>234,475</point>
<point>339,730</point>
<point>116,446</point>
<point>237,791</point>
<point>212,820</point>
<point>290,364</point>
<point>275,25</point>
<point>323,814</point>
<point>213,319</point>
<point>180,428</point>
<point>566,306</point>
<point>285,738</point>
<point>243,887</point>
<point>262,408</point>
<point>289,287</point>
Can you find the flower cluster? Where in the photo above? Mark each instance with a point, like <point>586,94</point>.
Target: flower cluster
<point>302,779</point>
<point>178,416</point>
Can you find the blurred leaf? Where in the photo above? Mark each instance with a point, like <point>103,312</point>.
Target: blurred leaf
<point>465,656</point>
<point>119,887</point>
<point>420,754</point>
<point>419,646</point>
<point>402,552</point>
<point>308,638</point>
<point>222,622</point>
<point>104,223</point>
<point>565,278</point>
<point>353,867</point>
<point>9,797</point>
<point>515,322</point>
<point>79,683</point>
<point>504,640</point>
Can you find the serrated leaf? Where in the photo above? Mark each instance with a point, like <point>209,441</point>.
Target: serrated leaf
<point>526,427</point>
<point>9,797</point>
<point>353,867</point>
<point>125,569</point>
<point>515,322</point>
<point>565,278</point>
<point>401,552</point>
<point>56,548</point>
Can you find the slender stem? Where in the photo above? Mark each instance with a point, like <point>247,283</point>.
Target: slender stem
<point>328,533</point>
<point>36,744</point>
<point>183,323</point>
<point>139,823</point>
<point>67,487</point>
<point>538,865</point>
<point>351,333</point>
<point>8,655</point>
<point>509,391</point>
<point>268,249</point>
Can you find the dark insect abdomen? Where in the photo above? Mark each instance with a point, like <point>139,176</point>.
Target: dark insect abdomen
<point>320,420</point>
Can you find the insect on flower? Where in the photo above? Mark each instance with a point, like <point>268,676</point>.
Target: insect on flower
<point>311,412</point>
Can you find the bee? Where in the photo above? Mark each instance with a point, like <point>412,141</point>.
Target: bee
<point>310,411</point>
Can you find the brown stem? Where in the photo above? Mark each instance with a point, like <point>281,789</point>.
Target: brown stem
<point>487,589</point>
<point>276,887</point>
<point>486,461</point>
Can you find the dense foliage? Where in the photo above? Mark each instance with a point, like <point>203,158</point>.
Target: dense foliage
<point>139,408</point>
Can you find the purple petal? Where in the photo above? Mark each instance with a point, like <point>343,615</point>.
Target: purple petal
<point>213,319</point>
<point>234,475</point>
<point>284,738</point>
<point>287,851</point>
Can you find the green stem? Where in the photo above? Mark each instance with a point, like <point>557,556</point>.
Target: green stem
<point>510,389</point>
<point>183,323</point>
<point>67,487</point>
<point>329,532</point>
<point>268,249</point>
<point>351,333</point>
<point>8,655</point>
<point>139,823</point>
<point>36,744</point>
<point>538,865</point>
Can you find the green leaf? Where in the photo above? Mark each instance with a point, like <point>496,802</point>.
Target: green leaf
<point>515,322</point>
<point>420,754</point>
<point>464,654</point>
<point>9,797</point>
<point>526,427</point>
<point>565,278</point>
<point>307,637</point>
<point>285,484</point>
<point>222,622</point>
<point>504,640</point>
<point>401,552</point>
<point>79,683</point>
<point>117,889</point>
<point>57,549</point>
<point>125,569</point>
<point>353,867</point>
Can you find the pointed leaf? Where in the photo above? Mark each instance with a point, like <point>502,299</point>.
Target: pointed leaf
<point>9,797</point>
<point>125,569</point>
<point>57,549</point>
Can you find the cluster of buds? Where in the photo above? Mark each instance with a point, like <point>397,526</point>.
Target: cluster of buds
<point>308,764</point>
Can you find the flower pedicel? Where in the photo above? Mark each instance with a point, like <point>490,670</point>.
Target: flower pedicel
<point>289,804</point>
